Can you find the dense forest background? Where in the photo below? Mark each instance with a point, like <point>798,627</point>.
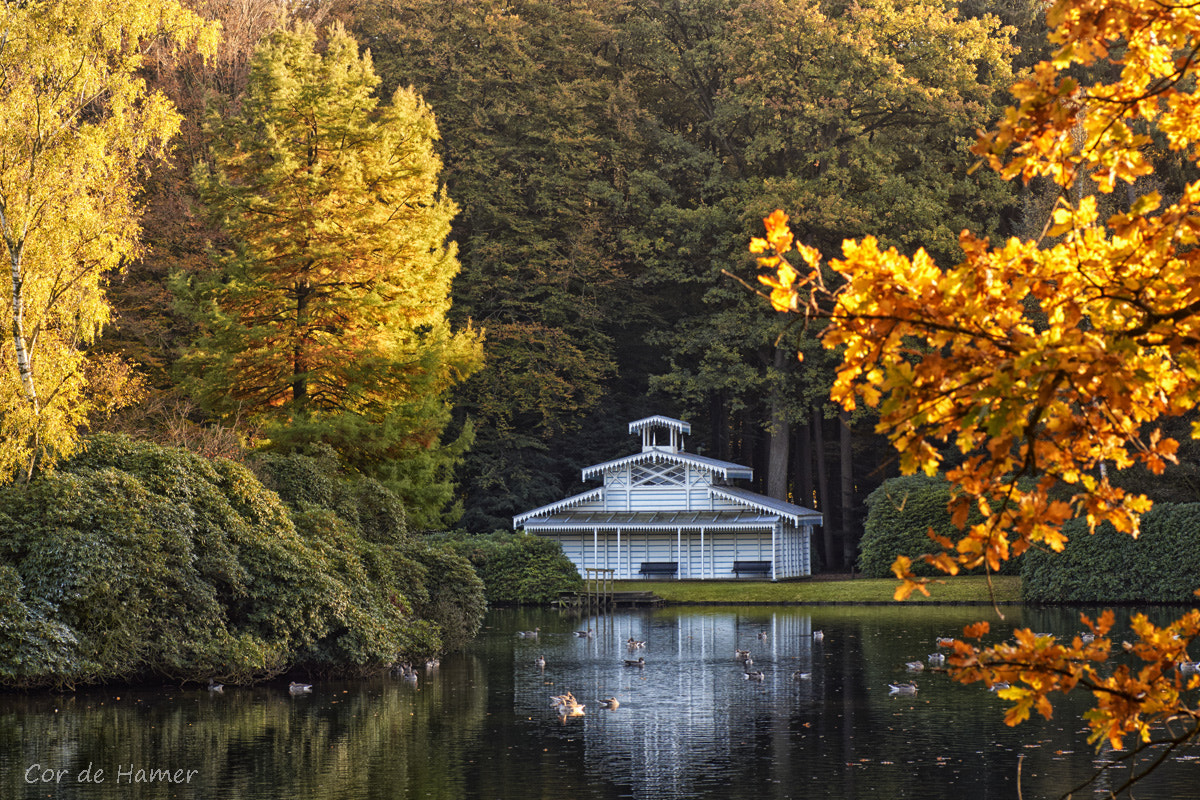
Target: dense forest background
<point>609,160</point>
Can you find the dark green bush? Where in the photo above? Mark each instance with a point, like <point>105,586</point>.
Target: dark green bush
<point>1161,566</point>
<point>138,561</point>
<point>518,568</point>
<point>899,515</point>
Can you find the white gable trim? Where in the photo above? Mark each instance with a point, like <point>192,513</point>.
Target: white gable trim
<point>725,469</point>
<point>797,515</point>
<point>568,502</point>
<point>658,420</point>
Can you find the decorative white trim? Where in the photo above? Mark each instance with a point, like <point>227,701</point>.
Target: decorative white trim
<point>658,421</point>
<point>767,505</point>
<point>725,469</point>
<point>568,502</point>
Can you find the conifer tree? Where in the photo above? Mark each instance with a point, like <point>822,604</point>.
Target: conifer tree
<point>326,321</point>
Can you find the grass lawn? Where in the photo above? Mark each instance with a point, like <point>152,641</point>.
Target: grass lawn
<point>959,589</point>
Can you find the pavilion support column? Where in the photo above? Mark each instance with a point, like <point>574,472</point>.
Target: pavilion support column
<point>595,547</point>
<point>774,537</point>
<point>618,550</point>
<point>678,546</point>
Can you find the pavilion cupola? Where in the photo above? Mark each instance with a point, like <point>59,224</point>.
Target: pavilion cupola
<point>661,433</point>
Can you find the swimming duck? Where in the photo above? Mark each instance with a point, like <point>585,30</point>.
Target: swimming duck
<point>914,666</point>
<point>213,686</point>
<point>998,685</point>
<point>566,705</point>
<point>611,703</point>
<point>818,636</point>
<point>937,659</point>
<point>1189,667</point>
<point>762,635</point>
<point>533,634</point>
<point>541,662</point>
<point>902,688</point>
<point>299,688</point>
<point>754,675</point>
<point>634,644</point>
<point>944,641</point>
<point>741,655</point>
<point>641,662</point>
<point>801,676</point>
<point>584,634</point>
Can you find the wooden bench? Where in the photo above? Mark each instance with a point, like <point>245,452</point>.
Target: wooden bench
<point>659,567</point>
<point>751,568</point>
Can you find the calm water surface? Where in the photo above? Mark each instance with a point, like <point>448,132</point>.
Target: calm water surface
<point>689,724</point>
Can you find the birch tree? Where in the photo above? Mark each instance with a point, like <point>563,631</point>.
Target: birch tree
<point>77,123</point>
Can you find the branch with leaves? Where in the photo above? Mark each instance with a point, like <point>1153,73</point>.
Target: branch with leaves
<point>1046,364</point>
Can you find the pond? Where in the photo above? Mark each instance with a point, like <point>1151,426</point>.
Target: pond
<point>689,724</point>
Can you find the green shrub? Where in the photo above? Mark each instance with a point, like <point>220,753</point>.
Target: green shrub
<point>137,561</point>
<point>899,515</point>
<point>518,568</point>
<point>1161,566</point>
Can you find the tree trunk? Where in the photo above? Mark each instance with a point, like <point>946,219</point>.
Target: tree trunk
<point>21,348</point>
<point>803,492</point>
<point>781,436</point>
<point>832,560</point>
<point>849,518</point>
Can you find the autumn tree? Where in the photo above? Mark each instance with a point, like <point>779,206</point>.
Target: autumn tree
<point>78,120</point>
<point>541,150</point>
<point>327,320</point>
<point>1046,364</point>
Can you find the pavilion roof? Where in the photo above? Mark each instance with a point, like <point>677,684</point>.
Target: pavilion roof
<point>726,469</point>
<point>651,520</point>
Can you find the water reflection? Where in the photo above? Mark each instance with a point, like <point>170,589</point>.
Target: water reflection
<point>689,725</point>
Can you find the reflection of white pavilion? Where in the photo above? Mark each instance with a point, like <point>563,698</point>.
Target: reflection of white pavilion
<point>686,718</point>
<point>665,511</point>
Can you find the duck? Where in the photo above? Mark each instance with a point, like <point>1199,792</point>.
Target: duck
<point>634,644</point>
<point>641,662</point>
<point>937,659</point>
<point>998,685</point>
<point>566,705</point>
<point>213,686</point>
<point>944,641</point>
<point>818,636</point>
<point>1189,667</point>
<point>584,634</point>
<point>754,675</point>
<point>612,703</point>
<point>801,676</point>
<point>902,688</point>
<point>299,688</point>
<point>540,661</point>
<point>533,634</point>
<point>762,635</point>
<point>433,663</point>
<point>741,655</point>
<point>914,666</point>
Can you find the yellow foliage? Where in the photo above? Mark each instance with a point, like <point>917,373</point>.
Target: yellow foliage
<point>951,357</point>
<point>78,119</point>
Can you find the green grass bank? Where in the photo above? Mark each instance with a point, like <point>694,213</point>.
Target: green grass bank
<point>951,590</point>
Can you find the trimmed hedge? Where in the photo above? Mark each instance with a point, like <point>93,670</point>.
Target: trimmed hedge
<point>135,561</point>
<point>899,515</point>
<point>1161,566</point>
<point>518,569</point>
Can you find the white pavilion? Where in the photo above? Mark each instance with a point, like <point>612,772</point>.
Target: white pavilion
<point>665,512</point>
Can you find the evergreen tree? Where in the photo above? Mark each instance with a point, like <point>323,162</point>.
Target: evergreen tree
<point>326,321</point>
